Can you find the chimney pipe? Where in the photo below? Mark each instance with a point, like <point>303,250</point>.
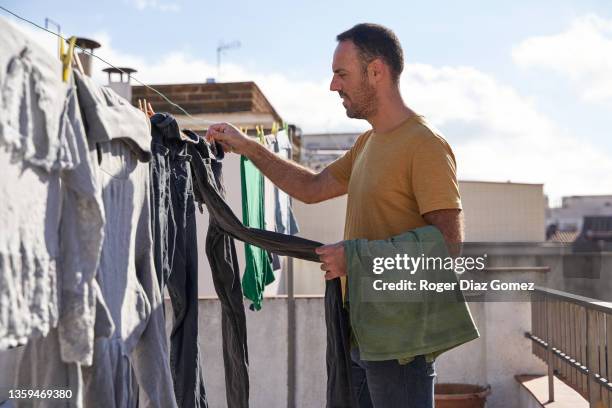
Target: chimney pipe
<point>89,45</point>
<point>122,86</point>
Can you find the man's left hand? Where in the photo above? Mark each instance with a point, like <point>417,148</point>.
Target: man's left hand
<point>333,261</point>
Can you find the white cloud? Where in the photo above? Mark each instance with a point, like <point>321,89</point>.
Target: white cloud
<point>497,134</point>
<point>156,5</point>
<point>582,53</point>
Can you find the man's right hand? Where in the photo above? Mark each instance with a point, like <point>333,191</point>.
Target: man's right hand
<point>232,139</point>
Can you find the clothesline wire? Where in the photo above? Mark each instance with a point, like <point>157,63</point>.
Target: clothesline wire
<point>111,65</point>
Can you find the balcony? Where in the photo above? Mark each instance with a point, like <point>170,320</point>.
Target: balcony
<point>571,334</point>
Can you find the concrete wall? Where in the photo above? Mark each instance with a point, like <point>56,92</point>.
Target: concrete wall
<point>500,353</point>
<point>268,341</point>
<point>323,222</point>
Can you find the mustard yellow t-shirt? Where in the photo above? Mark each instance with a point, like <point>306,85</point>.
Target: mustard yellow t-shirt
<point>393,179</point>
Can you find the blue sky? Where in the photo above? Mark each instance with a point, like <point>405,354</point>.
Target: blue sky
<point>497,78</point>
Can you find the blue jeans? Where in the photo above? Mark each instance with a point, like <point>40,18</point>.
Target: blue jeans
<point>389,384</point>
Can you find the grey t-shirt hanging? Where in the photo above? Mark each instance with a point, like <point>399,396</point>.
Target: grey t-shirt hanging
<point>42,142</point>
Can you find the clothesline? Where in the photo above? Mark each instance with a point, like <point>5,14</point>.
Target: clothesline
<point>109,64</point>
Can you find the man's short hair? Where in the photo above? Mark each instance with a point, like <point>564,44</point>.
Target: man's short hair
<point>376,41</point>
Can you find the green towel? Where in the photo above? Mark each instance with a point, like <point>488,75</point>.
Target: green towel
<point>398,325</point>
<point>258,271</point>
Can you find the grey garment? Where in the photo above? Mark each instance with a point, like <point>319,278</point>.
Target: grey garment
<point>29,156</point>
<point>285,220</point>
<point>205,191</point>
<point>53,361</point>
<point>31,101</point>
<point>8,371</point>
<point>50,238</point>
<point>108,116</point>
<point>176,254</point>
<point>81,237</point>
<point>126,276</point>
<point>29,248</point>
<point>221,253</point>
<point>41,368</point>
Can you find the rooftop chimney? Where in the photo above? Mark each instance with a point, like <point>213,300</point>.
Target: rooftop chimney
<point>122,86</point>
<point>89,45</point>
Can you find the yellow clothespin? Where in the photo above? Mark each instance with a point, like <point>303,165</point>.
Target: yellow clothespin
<point>67,58</point>
<point>274,128</point>
<point>260,134</point>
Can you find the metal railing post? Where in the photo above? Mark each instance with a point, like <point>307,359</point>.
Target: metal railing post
<point>549,349</point>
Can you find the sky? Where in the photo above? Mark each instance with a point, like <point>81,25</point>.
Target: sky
<point>521,91</point>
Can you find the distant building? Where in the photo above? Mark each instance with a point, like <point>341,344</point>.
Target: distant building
<point>570,216</point>
<point>595,236</point>
<point>240,103</point>
<point>320,149</point>
<point>503,211</point>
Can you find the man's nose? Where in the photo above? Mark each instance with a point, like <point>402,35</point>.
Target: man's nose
<point>333,86</point>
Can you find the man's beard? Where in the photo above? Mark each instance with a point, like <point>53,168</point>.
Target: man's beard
<point>363,102</point>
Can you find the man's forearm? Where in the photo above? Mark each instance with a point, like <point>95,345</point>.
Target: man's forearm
<point>289,176</point>
<point>450,224</point>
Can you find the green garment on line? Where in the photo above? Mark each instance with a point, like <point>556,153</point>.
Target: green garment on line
<point>401,324</point>
<point>258,271</point>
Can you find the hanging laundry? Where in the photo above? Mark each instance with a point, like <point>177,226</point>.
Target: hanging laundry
<point>42,246</point>
<point>258,269</point>
<point>206,169</point>
<point>269,204</point>
<point>223,260</point>
<point>138,347</point>
<point>50,238</point>
<point>176,253</point>
<point>285,221</point>
<point>54,361</point>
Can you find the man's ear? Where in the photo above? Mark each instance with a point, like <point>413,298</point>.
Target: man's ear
<point>376,70</point>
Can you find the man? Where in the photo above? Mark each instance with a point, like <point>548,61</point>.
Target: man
<point>400,175</point>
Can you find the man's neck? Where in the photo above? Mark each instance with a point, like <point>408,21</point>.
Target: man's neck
<point>391,113</point>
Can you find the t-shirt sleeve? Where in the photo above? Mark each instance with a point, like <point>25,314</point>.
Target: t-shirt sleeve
<point>434,176</point>
<point>341,167</point>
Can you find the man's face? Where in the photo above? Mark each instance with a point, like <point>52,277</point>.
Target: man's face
<point>351,82</point>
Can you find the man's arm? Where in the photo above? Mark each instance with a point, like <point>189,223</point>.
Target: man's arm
<point>298,181</point>
<point>450,224</point>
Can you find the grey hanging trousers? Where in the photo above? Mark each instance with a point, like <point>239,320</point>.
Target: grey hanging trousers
<point>224,226</point>
<point>176,254</point>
